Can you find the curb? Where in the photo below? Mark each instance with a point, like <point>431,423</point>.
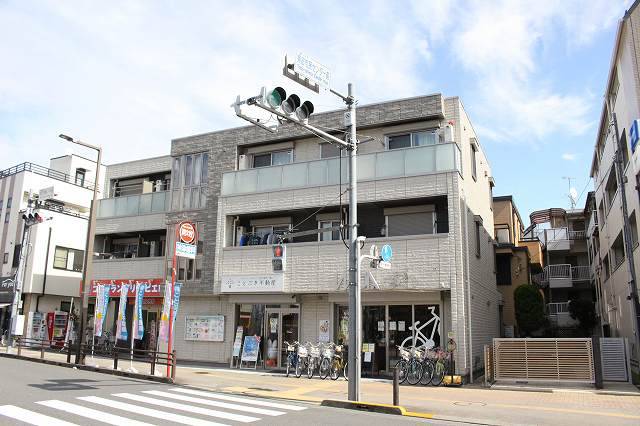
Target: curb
<point>374,408</point>
<point>90,368</point>
<point>564,390</point>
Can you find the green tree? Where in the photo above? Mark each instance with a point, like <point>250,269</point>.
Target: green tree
<point>529,306</point>
<point>585,312</point>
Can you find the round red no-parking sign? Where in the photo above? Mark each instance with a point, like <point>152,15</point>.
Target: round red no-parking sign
<point>188,233</point>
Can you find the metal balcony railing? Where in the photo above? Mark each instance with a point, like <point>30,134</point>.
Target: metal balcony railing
<point>563,271</point>
<point>44,171</point>
<point>593,222</point>
<point>416,161</point>
<point>134,205</point>
<point>558,308</point>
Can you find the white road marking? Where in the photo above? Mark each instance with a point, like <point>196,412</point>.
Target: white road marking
<point>188,408</point>
<point>102,416</point>
<point>31,417</point>
<point>176,418</point>
<point>216,403</point>
<point>252,401</point>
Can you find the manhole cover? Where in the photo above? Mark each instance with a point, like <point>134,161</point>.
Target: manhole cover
<point>468,404</point>
<point>263,389</point>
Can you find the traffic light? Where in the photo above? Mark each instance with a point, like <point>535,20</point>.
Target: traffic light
<point>291,104</point>
<point>305,110</point>
<point>275,97</point>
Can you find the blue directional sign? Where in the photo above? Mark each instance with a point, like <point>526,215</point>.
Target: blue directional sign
<point>386,253</point>
<point>633,135</point>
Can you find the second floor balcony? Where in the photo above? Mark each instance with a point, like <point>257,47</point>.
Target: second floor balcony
<point>558,239</point>
<point>134,205</point>
<point>563,275</point>
<point>415,161</point>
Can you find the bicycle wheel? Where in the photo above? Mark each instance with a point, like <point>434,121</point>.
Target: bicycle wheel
<point>335,369</point>
<point>414,372</point>
<point>311,368</point>
<point>438,373</point>
<point>345,371</point>
<point>299,367</point>
<point>427,372</point>
<point>325,368</point>
<point>401,365</point>
<point>288,365</point>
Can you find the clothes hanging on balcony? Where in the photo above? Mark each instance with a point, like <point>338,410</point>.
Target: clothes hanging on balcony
<point>244,238</point>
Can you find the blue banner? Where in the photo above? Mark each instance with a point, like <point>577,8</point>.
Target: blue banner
<point>176,300</point>
<point>106,289</point>
<point>138,323</point>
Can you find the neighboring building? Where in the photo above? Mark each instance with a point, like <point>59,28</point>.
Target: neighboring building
<point>54,259</point>
<point>567,272</point>
<point>622,96</point>
<point>516,259</point>
<point>131,240</point>
<point>425,188</point>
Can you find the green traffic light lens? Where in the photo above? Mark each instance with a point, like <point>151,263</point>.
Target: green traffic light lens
<point>276,96</point>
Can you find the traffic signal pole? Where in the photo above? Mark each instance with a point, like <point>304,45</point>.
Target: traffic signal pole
<point>355,303</point>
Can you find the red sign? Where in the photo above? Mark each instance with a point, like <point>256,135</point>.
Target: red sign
<point>50,318</point>
<point>187,233</point>
<point>154,287</point>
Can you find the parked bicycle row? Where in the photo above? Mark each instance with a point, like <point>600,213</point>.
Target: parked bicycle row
<point>416,365</point>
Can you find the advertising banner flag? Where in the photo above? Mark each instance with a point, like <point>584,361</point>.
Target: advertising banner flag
<point>137,327</point>
<point>176,300</point>
<point>102,304</point>
<point>163,333</point>
<point>121,329</point>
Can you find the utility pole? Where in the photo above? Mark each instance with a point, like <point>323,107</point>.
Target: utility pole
<point>626,230</point>
<point>306,74</point>
<point>22,266</point>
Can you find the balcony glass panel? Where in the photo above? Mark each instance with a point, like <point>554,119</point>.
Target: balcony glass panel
<point>380,165</point>
<point>269,178</point>
<point>107,207</point>
<point>159,202</point>
<point>145,204</point>
<point>390,163</point>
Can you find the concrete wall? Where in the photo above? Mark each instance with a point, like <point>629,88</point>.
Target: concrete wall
<point>141,267</point>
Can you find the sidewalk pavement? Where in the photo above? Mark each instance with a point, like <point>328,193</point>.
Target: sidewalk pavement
<point>501,405</point>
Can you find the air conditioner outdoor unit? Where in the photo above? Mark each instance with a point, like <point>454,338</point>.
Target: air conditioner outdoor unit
<point>243,162</point>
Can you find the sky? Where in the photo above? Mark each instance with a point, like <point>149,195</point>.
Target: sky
<point>132,75</point>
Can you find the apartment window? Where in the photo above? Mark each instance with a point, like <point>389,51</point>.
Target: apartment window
<point>611,187</point>
<point>477,226</point>
<point>330,150</point>
<point>503,269</point>
<point>601,214</point>
<point>5,260</point>
<point>413,139</point>
<point>189,176</point>
<point>606,270</point>
<point>7,213</point>
<point>625,149</point>
<point>328,235</point>
<point>413,220</point>
<point>80,174</point>
<point>474,166</point>
<point>1,204</point>
<point>503,235</point>
<point>634,229</point>
<point>9,202</point>
<point>273,158</point>
<point>617,251</point>
<point>16,255</point>
<point>68,259</point>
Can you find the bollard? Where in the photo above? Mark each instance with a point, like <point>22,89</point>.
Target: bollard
<point>69,353</point>
<point>396,387</point>
<point>173,365</point>
<point>41,349</point>
<point>19,343</point>
<point>153,363</point>
<point>115,359</point>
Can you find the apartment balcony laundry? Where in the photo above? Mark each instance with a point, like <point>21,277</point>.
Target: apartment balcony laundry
<point>396,163</point>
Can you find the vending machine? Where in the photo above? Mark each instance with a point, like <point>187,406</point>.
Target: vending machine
<point>57,327</point>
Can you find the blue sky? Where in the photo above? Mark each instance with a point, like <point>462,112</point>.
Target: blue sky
<point>131,75</point>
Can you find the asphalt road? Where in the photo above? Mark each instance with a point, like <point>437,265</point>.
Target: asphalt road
<point>41,394</point>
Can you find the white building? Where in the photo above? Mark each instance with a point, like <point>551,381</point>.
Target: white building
<point>54,254</point>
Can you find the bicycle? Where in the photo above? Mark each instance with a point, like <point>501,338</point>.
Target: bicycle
<point>440,368</point>
<point>428,367</point>
<point>303,359</point>
<point>106,346</point>
<point>292,356</point>
<point>427,342</point>
<point>326,362</point>
<point>409,368</point>
<point>314,360</point>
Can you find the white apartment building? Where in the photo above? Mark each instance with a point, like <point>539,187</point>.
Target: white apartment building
<point>425,188</point>
<point>53,252</point>
<point>605,228</point>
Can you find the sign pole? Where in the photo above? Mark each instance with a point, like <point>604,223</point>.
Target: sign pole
<point>173,289</point>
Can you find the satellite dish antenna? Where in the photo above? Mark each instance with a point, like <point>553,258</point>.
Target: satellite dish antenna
<point>573,197</point>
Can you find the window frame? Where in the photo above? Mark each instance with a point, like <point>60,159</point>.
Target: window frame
<point>474,160</point>
<point>76,252</point>
<point>5,258</point>
<point>270,154</point>
<point>331,223</point>
<point>477,238</point>
<point>189,187</point>
<point>411,133</point>
<point>82,173</point>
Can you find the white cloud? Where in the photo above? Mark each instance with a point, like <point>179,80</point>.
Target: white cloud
<point>568,156</point>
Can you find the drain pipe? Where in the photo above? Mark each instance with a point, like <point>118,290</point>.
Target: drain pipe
<point>468,289</point>
<point>44,276</point>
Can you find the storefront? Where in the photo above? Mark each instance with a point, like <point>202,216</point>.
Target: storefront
<point>151,308</point>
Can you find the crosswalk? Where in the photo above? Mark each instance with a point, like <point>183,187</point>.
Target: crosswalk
<point>166,406</point>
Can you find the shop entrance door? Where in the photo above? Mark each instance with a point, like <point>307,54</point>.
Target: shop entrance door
<point>282,325</point>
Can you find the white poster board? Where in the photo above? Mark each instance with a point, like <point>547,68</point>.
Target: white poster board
<point>204,328</point>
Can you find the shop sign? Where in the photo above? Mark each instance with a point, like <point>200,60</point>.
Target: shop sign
<point>153,287</point>
<point>186,250</point>
<point>251,348</point>
<point>252,283</point>
<point>188,241</point>
<point>237,343</point>
<point>7,287</point>
<point>633,135</point>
